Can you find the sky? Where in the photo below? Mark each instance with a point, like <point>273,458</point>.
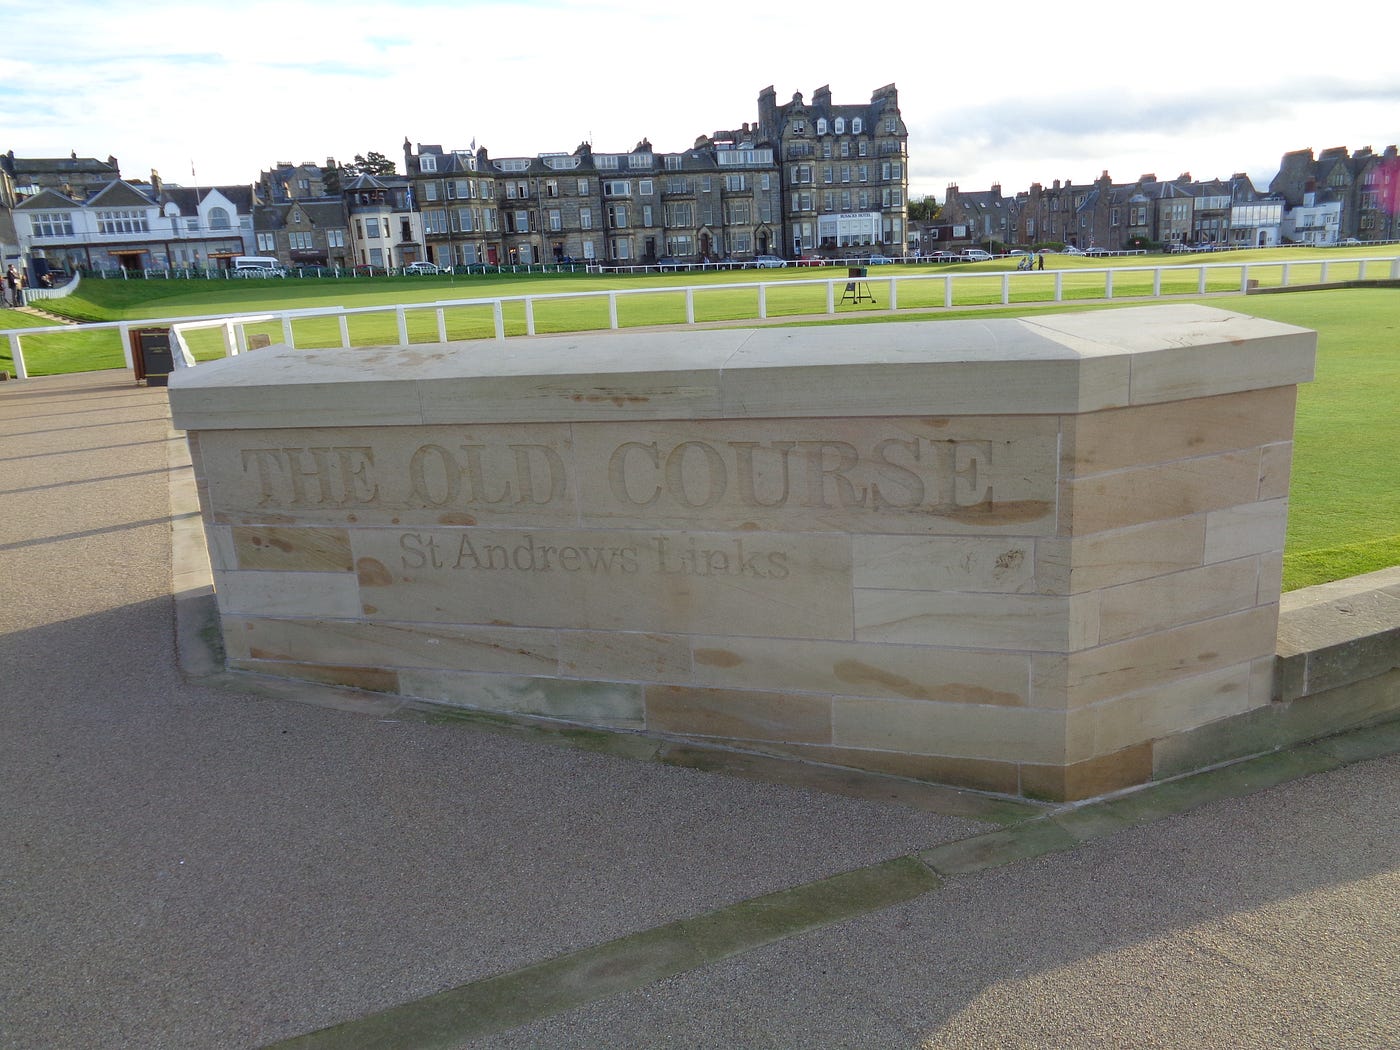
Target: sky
<point>1020,92</point>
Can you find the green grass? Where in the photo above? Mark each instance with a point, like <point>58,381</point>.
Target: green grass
<point>1345,505</point>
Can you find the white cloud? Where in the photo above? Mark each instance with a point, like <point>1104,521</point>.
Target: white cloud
<point>1027,92</point>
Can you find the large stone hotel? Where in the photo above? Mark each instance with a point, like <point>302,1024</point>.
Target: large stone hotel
<point>807,175</point>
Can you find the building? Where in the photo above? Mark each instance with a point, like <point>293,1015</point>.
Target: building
<point>802,178</point>
<point>1364,185</point>
<point>843,168</point>
<point>134,225</point>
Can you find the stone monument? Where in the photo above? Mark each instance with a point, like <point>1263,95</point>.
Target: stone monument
<point>1011,554</point>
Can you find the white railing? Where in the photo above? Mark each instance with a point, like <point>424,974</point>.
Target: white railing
<point>1032,287</point>
<point>68,288</point>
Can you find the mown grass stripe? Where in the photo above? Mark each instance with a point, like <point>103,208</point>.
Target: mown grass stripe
<point>497,1004</point>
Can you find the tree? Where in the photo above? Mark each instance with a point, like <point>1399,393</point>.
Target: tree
<point>336,176</point>
<point>926,209</point>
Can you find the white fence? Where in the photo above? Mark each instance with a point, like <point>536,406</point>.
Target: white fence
<point>1032,287</point>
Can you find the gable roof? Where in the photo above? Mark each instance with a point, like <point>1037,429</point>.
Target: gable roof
<point>120,194</point>
<point>48,200</point>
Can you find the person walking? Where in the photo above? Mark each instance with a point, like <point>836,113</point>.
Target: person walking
<point>1040,260</point>
<point>14,286</point>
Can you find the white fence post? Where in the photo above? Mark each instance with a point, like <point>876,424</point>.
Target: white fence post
<point>894,294</point>
<point>287,330</point>
<point>344,330</point>
<point>1157,283</point>
<point>1244,278</point>
<point>1059,286</point>
<point>18,355</point>
<point>1005,289</point>
<point>442,324</point>
<point>529,315</point>
<point>231,339</point>
<point>762,302</point>
<point>498,315</point>
<point>948,292</point>
<point>831,297</point>
<point>401,318</point>
<point>1108,284</point>
<point>124,331</point>
<point>690,306</point>
<point>1201,282</point>
<point>612,309</point>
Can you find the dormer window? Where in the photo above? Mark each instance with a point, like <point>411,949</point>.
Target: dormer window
<point>427,162</point>
<point>855,125</point>
<point>840,125</point>
<point>821,125</point>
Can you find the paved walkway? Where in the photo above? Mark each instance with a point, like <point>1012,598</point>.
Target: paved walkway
<point>196,860</point>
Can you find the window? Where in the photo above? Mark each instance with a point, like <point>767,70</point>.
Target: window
<point>645,188</point>
<point>737,212</point>
<point>335,238</point>
<point>52,224</point>
<point>845,173</point>
<point>742,241</point>
<point>821,125</point>
<point>123,221</point>
<point>704,184</point>
<point>799,127</point>
<point>826,174</point>
<point>679,244</point>
<point>855,125</point>
<point>219,220</point>
<point>551,188</point>
<point>765,181</point>
<point>585,218</point>
<point>617,188</point>
<point>679,213</point>
<point>267,242</point>
<point>840,125</point>
<point>430,191</point>
<point>801,174</point>
<point>861,147</point>
<point>617,216</point>
<point>556,220</point>
<point>891,125</point>
<point>1113,216</point>
<point>583,187</point>
<point>621,248</point>
<point>646,215</point>
<point>736,183</point>
<point>300,241</point>
<point>427,162</point>
<point>845,147</point>
<point>677,184</point>
<point>864,171</point>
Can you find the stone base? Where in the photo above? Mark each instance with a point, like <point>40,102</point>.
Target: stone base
<point>1015,555</point>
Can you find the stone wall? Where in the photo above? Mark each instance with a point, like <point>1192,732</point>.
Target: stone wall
<point>1018,555</point>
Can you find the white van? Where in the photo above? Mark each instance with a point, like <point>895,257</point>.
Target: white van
<point>257,266</point>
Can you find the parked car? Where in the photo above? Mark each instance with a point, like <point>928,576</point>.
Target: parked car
<point>943,257</point>
<point>975,255</point>
<point>811,260</point>
<point>1070,249</point>
<point>1349,242</point>
<point>668,263</point>
<point>1096,251</point>
<point>764,262</point>
<point>879,260</point>
<point>422,267</point>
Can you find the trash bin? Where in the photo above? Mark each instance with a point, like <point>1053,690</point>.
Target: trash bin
<point>151,357</point>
